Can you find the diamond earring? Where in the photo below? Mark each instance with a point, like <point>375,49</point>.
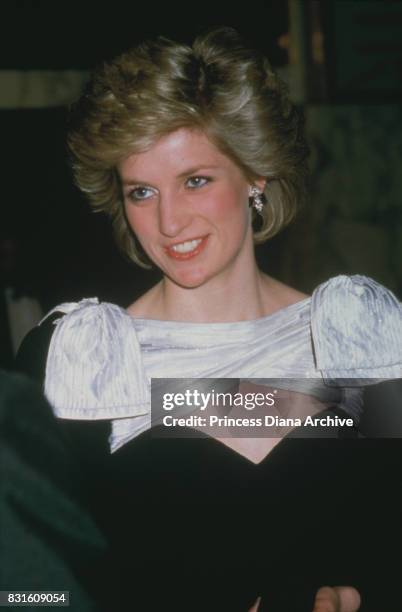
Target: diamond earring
<point>257,199</point>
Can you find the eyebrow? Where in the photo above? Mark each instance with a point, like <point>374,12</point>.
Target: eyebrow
<point>188,172</point>
<point>195,169</point>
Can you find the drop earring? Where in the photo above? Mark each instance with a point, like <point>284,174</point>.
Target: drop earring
<point>257,199</point>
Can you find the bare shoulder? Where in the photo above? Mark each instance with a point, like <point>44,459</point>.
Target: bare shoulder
<point>281,295</point>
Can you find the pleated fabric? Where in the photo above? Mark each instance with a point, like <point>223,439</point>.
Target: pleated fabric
<point>101,360</point>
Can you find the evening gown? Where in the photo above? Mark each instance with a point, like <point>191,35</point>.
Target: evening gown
<point>193,525</point>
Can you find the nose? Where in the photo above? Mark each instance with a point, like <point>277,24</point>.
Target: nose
<point>174,215</point>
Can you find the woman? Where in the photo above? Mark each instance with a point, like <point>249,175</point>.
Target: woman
<point>197,154</point>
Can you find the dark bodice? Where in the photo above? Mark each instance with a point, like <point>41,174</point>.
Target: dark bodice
<point>194,526</point>
<point>196,522</point>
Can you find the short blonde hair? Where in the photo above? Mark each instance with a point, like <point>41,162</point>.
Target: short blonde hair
<point>219,86</point>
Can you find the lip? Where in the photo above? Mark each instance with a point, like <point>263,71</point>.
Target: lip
<point>183,256</point>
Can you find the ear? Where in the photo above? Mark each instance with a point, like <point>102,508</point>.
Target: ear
<point>260,183</point>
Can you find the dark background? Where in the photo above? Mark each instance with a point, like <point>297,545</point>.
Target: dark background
<point>65,252</point>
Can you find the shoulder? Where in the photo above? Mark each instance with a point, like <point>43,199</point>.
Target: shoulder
<point>32,354</point>
<point>93,366</point>
<point>87,317</point>
<point>356,326</point>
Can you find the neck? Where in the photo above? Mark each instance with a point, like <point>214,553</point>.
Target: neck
<point>236,297</point>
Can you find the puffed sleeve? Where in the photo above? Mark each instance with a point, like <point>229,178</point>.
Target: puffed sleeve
<point>356,326</point>
<point>94,367</point>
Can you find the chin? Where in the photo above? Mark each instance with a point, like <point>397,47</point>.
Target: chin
<point>190,279</point>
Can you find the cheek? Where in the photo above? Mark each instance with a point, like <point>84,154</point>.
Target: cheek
<point>138,222</point>
<point>231,213</point>
<point>227,205</point>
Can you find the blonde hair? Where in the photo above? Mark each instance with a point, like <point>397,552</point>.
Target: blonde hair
<point>219,86</point>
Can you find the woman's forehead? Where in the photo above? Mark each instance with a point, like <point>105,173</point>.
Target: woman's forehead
<point>177,152</point>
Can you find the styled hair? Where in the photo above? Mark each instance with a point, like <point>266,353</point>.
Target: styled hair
<point>218,86</point>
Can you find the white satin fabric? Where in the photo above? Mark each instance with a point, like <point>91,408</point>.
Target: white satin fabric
<point>101,360</point>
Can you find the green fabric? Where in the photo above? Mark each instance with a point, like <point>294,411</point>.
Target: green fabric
<point>48,540</point>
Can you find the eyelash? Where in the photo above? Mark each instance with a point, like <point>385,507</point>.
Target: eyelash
<point>207,180</point>
<point>131,194</point>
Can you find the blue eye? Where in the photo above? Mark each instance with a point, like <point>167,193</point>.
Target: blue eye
<point>195,182</point>
<point>140,193</point>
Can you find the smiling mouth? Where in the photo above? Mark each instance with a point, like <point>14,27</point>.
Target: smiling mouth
<point>187,249</point>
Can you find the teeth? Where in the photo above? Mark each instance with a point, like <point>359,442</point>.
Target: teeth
<point>186,247</point>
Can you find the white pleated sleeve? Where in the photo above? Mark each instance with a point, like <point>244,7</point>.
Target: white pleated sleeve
<point>356,328</point>
<point>94,368</point>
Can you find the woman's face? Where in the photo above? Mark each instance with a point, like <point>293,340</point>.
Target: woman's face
<point>187,203</point>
